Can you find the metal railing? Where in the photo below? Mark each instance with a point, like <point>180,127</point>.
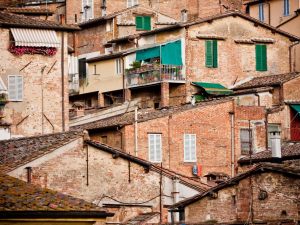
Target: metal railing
<point>154,73</point>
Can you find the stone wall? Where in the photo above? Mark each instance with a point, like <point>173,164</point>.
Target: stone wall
<point>40,111</point>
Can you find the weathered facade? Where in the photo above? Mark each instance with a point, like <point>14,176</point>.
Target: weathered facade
<point>97,173</point>
<point>266,193</point>
<point>34,75</point>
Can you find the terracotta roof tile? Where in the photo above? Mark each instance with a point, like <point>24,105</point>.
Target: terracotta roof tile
<point>17,195</point>
<point>17,152</point>
<point>13,20</point>
<point>144,115</point>
<point>289,151</point>
<point>27,10</point>
<point>265,81</point>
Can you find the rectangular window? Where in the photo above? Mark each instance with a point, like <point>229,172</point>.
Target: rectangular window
<point>211,53</point>
<point>190,148</point>
<point>261,14</point>
<point>131,3</point>
<point>87,10</point>
<point>246,141</point>
<point>286,8</point>
<point>154,146</point>
<point>143,22</point>
<point>82,68</point>
<point>118,66</point>
<point>261,57</point>
<point>15,88</point>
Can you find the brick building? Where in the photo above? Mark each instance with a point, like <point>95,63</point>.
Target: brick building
<point>117,181</point>
<point>187,136</point>
<point>266,194</point>
<point>24,203</point>
<point>33,76</point>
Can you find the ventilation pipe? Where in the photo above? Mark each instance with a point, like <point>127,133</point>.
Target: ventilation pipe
<point>276,144</point>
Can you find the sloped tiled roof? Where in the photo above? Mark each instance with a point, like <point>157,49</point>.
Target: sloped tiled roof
<point>141,219</point>
<point>289,151</point>
<point>19,196</point>
<point>28,10</point>
<point>266,81</point>
<point>17,152</point>
<point>144,115</point>
<point>260,168</point>
<point>20,21</point>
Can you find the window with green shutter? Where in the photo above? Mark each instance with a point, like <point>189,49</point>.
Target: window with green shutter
<point>143,22</point>
<point>211,53</point>
<point>261,57</point>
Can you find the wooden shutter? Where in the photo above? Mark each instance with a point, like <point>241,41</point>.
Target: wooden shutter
<point>147,22</point>
<point>261,57</point>
<point>154,145</point>
<point>139,22</point>
<point>186,147</point>
<point>19,84</point>
<point>215,53</point>
<point>209,53</point>
<point>190,147</point>
<point>12,89</point>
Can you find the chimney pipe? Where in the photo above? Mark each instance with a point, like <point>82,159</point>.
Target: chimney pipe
<point>276,144</point>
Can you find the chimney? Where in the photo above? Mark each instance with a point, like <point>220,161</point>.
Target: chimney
<point>79,109</point>
<point>276,144</point>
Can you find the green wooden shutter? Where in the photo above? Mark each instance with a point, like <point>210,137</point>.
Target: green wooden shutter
<point>147,23</point>
<point>139,22</point>
<point>209,53</point>
<point>215,53</point>
<point>261,57</point>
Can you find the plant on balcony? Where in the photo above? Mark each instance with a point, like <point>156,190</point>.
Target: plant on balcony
<point>3,99</point>
<point>21,50</point>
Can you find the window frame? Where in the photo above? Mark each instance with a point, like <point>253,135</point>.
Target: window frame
<point>118,62</point>
<point>286,8</point>
<point>211,51</point>
<point>192,158</point>
<point>131,3</point>
<point>83,11</point>
<point>261,14</point>
<point>156,158</point>
<point>250,141</point>
<point>16,88</point>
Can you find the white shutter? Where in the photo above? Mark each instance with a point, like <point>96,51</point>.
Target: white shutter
<point>193,147</point>
<point>186,147</point>
<point>158,148</point>
<point>154,145</point>
<point>190,147</point>
<point>12,89</point>
<point>151,147</point>
<point>19,84</point>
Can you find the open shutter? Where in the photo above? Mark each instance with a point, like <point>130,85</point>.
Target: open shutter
<point>186,147</point>
<point>19,84</point>
<point>139,22</point>
<point>215,53</point>
<point>147,23</point>
<point>158,148</point>
<point>193,147</point>
<point>12,88</point>
<point>209,53</point>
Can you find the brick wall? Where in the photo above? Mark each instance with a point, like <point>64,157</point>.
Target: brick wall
<point>42,92</point>
<point>282,191</point>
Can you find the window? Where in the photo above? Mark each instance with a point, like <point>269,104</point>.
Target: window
<point>211,53</point>
<point>154,145</point>
<point>131,3</point>
<point>15,88</point>
<point>143,22</point>
<point>190,148</point>
<point>82,68</point>
<point>87,10</point>
<point>261,57</point>
<point>119,66</point>
<point>271,129</point>
<point>246,141</point>
<point>286,8</point>
<point>261,15</point>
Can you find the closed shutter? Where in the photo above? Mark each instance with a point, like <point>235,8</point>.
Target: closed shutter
<point>189,147</point>
<point>209,53</point>
<point>261,57</point>
<point>154,145</point>
<point>147,22</point>
<point>15,88</point>
<point>215,53</point>
<point>139,22</point>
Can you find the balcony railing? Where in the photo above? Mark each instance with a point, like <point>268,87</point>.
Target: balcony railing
<point>155,73</point>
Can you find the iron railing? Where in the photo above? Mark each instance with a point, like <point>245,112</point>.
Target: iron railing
<point>154,73</point>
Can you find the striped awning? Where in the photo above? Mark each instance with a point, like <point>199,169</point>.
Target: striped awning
<point>35,37</point>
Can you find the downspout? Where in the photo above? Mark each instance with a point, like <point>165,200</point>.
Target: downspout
<point>258,98</point>
<point>266,128</point>
<point>63,80</point>
<point>292,67</point>
<point>123,77</point>
<point>232,144</point>
<point>121,139</point>
<point>136,131</point>
<point>269,12</point>
<point>169,140</point>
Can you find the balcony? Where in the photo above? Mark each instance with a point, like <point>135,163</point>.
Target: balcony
<point>154,73</point>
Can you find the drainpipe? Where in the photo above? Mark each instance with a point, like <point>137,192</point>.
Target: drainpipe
<point>232,143</point>
<point>63,75</point>
<point>123,77</point>
<point>269,12</point>
<point>292,67</point>
<point>136,131</point>
<point>258,98</point>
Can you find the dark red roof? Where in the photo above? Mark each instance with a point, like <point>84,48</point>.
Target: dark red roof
<point>267,81</point>
<point>17,152</point>
<point>29,10</point>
